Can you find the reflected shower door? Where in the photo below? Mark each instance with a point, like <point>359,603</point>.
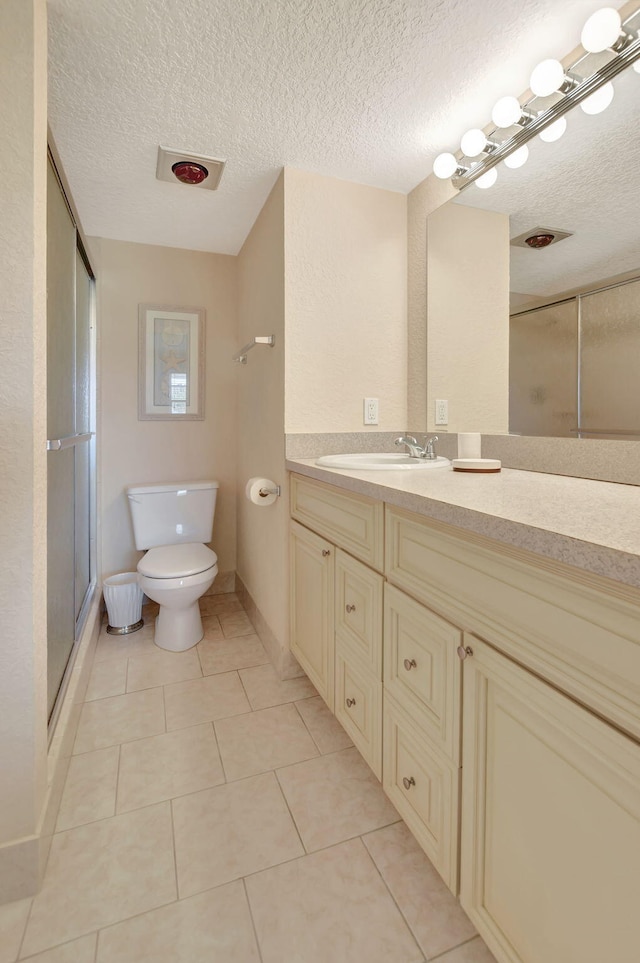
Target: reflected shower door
<point>610,369</point>
<point>543,371</point>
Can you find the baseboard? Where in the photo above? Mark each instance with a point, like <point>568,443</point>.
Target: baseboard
<point>281,657</point>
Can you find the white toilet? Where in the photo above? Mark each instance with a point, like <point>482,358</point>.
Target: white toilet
<point>173,521</point>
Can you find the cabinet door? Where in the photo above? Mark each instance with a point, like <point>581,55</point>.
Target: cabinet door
<point>550,821</point>
<point>311,623</point>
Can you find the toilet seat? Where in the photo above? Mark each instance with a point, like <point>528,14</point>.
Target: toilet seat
<point>177,561</point>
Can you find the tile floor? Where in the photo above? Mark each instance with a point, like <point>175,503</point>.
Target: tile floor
<point>213,814</point>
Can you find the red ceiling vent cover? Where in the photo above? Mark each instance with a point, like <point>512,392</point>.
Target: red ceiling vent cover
<point>185,168</point>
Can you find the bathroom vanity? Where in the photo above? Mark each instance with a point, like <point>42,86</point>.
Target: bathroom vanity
<point>468,638</point>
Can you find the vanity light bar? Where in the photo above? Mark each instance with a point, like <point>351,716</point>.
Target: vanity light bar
<point>626,51</point>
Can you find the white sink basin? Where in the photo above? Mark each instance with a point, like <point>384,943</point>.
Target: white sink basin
<point>383,461</point>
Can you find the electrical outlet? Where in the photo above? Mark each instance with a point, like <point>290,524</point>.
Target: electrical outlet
<point>370,411</point>
<point>442,412</point>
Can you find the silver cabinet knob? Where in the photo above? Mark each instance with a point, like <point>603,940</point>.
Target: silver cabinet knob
<point>325,552</point>
<point>409,664</point>
<point>463,651</point>
<point>350,702</point>
<point>408,783</point>
<point>350,608</point>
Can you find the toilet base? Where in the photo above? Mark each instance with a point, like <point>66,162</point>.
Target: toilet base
<point>178,629</point>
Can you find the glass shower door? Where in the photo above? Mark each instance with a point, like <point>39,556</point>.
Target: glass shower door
<point>69,496</point>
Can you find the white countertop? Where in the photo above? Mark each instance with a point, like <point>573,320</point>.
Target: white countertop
<point>592,525</point>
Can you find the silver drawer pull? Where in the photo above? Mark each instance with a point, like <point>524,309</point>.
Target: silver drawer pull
<point>409,664</point>
<point>463,651</point>
<point>351,608</point>
<point>350,702</point>
<point>325,552</point>
<point>408,783</point>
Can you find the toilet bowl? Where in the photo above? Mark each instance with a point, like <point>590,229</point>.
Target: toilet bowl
<point>168,520</point>
<point>166,576</point>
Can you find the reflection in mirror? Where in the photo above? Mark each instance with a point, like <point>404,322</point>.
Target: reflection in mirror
<point>575,361</point>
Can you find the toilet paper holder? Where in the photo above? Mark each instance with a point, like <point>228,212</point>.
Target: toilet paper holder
<point>264,492</point>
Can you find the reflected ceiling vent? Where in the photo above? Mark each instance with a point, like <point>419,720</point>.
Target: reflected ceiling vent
<point>540,237</point>
<point>185,168</point>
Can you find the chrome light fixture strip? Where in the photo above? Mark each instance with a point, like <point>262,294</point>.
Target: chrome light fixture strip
<point>615,66</point>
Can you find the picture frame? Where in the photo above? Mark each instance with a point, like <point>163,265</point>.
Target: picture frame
<point>171,343</point>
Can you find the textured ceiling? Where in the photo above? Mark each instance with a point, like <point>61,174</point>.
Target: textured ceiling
<point>366,90</point>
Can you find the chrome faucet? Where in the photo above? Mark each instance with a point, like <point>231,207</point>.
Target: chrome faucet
<point>416,450</point>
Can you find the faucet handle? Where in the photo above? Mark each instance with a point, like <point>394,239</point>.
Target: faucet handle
<point>428,447</point>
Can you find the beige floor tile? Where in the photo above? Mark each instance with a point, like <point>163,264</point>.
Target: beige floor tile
<point>224,833</point>
<point>124,718</point>
<point>13,919</point>
<point>77,951</point>
<point>235,624</point>
<point>212,629</point>
<point>219,605</point>
<point>335,797</point>
<point>264,687</point>
<point>123,646</point>
<point>108,678</point>
<point>168,765</point>
<point>435,916</point>
<point>204,700</point>
<point>326,731</point>
<point>258,741</point>
<point>90,788</point>
<point>329,906</point>
<point>231,654</point>
<point>473,952</point>
<point>103,873</point>
<point>213,927</point>
<point>162,668</point>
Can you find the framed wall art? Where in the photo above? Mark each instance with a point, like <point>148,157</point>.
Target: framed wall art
<point>171,363</point>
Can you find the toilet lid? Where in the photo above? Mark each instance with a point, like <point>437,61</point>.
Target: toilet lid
<point>177,561</point>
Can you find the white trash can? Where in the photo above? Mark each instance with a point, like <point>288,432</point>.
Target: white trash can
<point>123,598</point>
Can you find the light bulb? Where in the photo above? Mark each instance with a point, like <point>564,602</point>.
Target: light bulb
<point>599,101</point>
<point>547,77</point>
<point>444,166</point>
<point>487,180</point>
<point>473,142</point>
<point>506,112</point>
<point>554,131</point>
<point>518,158</point>
<point>601,30</point>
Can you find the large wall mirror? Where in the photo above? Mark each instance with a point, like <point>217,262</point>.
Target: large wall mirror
<point>574,306</point>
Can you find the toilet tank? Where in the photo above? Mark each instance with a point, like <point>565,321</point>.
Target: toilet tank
<point>167,514</point>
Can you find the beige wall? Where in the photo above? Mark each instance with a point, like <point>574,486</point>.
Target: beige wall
<point>23,695</point>
<point>135,451</point>
<point>468,318</point>
<point>263,530</point>
<point>346,314</point>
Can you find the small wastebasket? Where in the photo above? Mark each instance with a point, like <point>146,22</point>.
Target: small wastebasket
<point>123,598</point>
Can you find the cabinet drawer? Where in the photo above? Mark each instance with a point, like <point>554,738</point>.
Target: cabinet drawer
<point>421,668</point>
<point>352,522</point>
<point>579,631</point>
<point>358,706</point>
<point>423,785</point>
<point>358,617</point>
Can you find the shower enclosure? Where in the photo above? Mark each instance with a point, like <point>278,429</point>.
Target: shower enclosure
<point>70,418</point>
<point>574,366</point>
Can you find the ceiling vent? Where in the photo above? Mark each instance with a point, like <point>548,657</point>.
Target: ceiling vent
<point>540,237</point>
<point>179,166</point>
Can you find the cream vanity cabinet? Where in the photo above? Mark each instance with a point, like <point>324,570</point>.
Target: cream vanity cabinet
<point>336,557</point>
<point>550,811</point>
